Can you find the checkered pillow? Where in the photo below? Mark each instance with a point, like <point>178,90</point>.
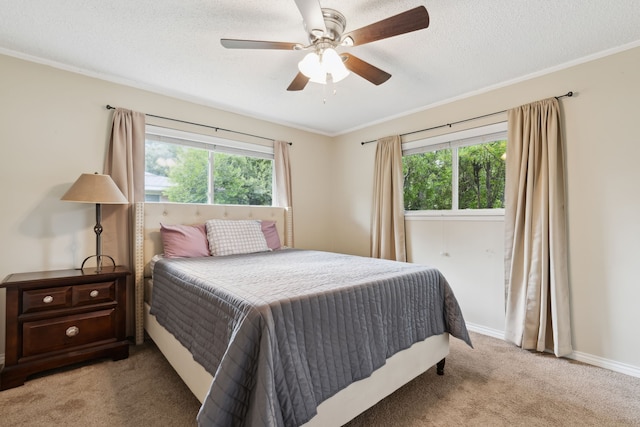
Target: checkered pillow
<point>230,237</point>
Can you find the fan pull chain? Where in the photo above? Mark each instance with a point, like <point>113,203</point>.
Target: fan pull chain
<point>329,88</point>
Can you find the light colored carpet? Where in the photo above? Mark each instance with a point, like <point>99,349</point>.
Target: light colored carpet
<point>498,384</point>
<point>142,390</point>
<point>494,384</point>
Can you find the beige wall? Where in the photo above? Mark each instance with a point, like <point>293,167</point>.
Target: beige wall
<point>54,126</point>
<point>602,158</point>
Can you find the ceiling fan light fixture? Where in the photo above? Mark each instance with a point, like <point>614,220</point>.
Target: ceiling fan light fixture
<point>325,30</point>
<point>317,66</point>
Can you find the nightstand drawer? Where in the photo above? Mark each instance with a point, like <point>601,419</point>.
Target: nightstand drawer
<point>46,299</point>
<point>61,333</point>
<point>93,293</point>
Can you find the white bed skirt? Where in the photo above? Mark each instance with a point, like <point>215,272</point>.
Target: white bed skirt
<point>340,408</point>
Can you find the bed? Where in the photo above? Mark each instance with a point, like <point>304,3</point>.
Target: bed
<point>279,399</point>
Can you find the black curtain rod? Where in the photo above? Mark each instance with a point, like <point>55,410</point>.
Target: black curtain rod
<point>568,94</point>
<point>109,107</point>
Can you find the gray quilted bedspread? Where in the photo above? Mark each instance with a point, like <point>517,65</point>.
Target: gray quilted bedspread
<point>282,331</point>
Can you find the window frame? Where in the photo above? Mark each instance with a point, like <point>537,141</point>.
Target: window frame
<point>213,144</point>
<point>454,141</point>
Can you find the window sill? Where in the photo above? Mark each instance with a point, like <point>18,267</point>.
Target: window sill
<point>461,215</point>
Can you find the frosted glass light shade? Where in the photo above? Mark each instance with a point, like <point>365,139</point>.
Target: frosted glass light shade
<point>310,66</point>
<point>333,64</point>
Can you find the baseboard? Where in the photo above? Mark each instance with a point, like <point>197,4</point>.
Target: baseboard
<point>589,359</point>
<point>601,362</point>
<point>495,333</point>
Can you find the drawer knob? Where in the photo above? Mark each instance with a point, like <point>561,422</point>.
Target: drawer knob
<point>93,293</point>
<point>72,331</point>
<point>48,299</point>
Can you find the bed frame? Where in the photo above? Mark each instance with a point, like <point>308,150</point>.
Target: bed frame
<point>335,411</point>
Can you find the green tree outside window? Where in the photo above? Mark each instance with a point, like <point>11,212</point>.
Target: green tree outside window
<point>428,178</point>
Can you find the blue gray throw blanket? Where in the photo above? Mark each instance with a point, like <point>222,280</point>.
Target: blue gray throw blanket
<point>282,331</point>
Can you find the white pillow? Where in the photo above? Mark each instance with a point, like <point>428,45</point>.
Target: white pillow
<point>231,237</point>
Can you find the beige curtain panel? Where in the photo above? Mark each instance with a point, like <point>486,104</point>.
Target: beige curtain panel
<point>125,164</point>
<point>282,170</point>
<point>387,221</point>
<point>536,275</point>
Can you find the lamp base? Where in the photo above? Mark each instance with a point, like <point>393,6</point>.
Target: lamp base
<point>98,260</point>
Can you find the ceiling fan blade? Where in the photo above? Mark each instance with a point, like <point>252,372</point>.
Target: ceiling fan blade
<point>299,82</point>
<point>405,22</point>
<point>258,44</point>
<point>365,70</point>
<point>312,16</point>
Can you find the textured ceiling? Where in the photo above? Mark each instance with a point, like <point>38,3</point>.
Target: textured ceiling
<point>172,47</point>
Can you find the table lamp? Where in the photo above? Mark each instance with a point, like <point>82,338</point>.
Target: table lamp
<point>98,189</point>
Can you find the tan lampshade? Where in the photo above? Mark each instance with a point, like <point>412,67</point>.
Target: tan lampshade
<point>95,188</point>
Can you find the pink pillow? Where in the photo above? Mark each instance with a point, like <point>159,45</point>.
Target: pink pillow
<point>271,234</point>
<point>184,240</point>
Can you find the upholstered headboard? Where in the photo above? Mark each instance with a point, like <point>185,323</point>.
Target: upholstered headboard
<point>147,241</point>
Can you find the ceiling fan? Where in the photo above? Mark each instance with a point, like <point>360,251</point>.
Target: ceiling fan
<point>325,28</point>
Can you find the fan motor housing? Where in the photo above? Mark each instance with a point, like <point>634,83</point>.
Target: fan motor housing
<point>335,22</point>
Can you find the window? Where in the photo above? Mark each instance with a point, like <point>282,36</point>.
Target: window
<point>186,167</point>
<point>457,172</point>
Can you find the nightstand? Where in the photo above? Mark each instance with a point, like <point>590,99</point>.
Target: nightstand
<point>57,318</point>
